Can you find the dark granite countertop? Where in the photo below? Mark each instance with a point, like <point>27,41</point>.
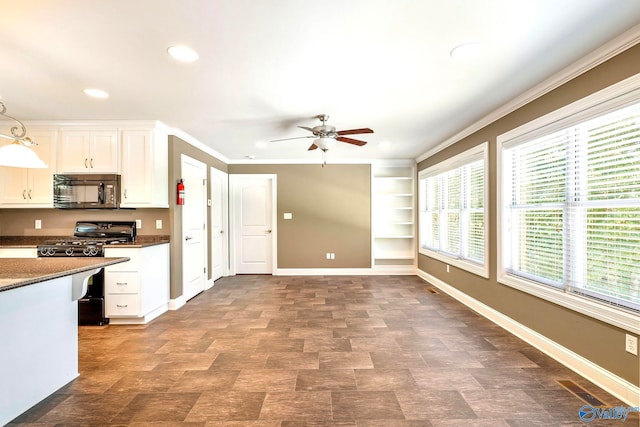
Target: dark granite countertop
<point>33,241</point>
<point>17,272</point>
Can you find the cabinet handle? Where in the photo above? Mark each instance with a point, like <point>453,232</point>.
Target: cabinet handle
<point>122,283</point>
<point>91,163</point>
<point>85,163</point>
<point>24,194</point>
<point>29,193</point>
<point>122,305</point>
<point>125,193</point>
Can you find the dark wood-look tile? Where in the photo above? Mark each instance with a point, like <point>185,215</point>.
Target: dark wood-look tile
<point>267,380</point>
<point>345,351</point>
<point>300,406</point>
<point>385,379</point>
<point>325,380</point>
<point>227,406</point>
<point>366,405</point>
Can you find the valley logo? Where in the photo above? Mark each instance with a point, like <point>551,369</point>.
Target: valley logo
<point>589,413</point>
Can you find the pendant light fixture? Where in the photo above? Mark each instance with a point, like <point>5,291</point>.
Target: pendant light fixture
<point>18,154</point>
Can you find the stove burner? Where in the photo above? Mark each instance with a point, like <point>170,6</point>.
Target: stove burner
<point>89,239</point>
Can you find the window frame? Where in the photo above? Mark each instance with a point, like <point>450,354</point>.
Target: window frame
<point>479,152</point>
<point>611,98</point>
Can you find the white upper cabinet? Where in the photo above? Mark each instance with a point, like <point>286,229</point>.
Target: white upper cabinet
<point>144,161</point>
<point>88,151</point>
<point>31,188</point>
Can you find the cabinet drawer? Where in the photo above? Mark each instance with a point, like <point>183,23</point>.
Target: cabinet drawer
<point>122,305</point>
<point>122,282</point>
<point>132,265</point>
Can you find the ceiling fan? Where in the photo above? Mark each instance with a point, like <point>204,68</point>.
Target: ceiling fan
<point>326,135</point>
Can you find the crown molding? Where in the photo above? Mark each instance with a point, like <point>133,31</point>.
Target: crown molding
<point>603,53</point>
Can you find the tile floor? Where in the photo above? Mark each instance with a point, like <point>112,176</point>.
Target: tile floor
<point>345,351</point>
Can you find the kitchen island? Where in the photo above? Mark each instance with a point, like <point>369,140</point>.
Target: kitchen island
<point>39,326</point>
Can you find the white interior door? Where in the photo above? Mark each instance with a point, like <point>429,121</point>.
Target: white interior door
<point>253,223</point>
<point>194,211</point>
<point>219,224</point>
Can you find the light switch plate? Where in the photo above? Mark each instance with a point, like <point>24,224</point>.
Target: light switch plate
<point>38,224</point>
<point>158,224</point>
<point>138,223</point>
<point>288,215</point>
<point>631,344</point>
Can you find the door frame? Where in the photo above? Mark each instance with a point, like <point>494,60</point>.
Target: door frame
<point>225,219</point>
<point>233,218</point>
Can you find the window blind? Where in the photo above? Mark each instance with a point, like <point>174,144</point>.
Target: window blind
<point>572,211</point>
<point>452,208</point>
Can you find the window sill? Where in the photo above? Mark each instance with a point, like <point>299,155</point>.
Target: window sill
<point>477,269</point>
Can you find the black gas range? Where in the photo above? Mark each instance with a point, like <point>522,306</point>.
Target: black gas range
<point>89,239</point>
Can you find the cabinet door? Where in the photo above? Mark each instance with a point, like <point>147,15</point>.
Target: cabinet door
<point>29,187</point>
<point>13,185</point>
<point>137,168</point>
<point>73,152</point>
<point>88,151</point>
<point>103,152</point>
<point>40,181</point>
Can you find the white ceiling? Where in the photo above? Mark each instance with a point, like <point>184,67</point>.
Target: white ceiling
<point>268,65</point>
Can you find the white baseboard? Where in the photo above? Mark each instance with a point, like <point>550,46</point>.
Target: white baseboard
<point>613,384</point>
<point>379,271</point>
<point>176,303</point>
<point>139,320</point>
<point>208,285</point>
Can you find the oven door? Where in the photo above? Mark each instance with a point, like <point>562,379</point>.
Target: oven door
<point>86,191</point>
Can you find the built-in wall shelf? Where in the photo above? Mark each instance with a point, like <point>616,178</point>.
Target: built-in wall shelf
<point>393,216</point>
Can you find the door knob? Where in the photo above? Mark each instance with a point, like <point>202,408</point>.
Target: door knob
<point>221,231</point>
<point>268,231</point>
<point>188,238</point>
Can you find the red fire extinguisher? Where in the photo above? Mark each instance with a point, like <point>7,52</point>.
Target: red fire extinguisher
<point>180,200</point>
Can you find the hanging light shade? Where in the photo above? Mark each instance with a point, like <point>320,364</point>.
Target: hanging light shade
<point>18,154</point>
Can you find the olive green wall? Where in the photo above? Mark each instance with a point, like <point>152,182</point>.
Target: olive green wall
<point>331,208</point>
<point>597,341</point>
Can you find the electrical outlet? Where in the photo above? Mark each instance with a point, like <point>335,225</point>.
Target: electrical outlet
<point>38,224</point>
<point>158,224</point>
<point>631,344</point>
<point>138,223</point>
<point>288,215</point>
<point>328,255</point>
<point>447,268</point>
<point>333,256</point>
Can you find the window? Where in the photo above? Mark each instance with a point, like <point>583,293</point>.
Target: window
<point>452,203</point>
<point>570,206</point>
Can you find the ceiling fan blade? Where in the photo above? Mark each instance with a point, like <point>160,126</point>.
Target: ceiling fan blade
<point>297,137</point>
<point>351,141</point>
<point>313,147</point>
<point>353,131</point>
<point>306,128</point>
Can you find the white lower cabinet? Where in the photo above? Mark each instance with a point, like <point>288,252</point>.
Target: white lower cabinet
<point>137,291</point>
<point>18,253</point>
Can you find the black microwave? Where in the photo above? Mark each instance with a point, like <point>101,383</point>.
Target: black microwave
<point>86,191</point>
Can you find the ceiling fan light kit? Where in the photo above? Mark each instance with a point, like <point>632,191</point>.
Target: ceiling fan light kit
<point>326,136</point>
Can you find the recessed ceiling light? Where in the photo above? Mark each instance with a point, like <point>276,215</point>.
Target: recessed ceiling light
<point>465,51</point>
<point>183,53</point>
<point>96,93</point>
